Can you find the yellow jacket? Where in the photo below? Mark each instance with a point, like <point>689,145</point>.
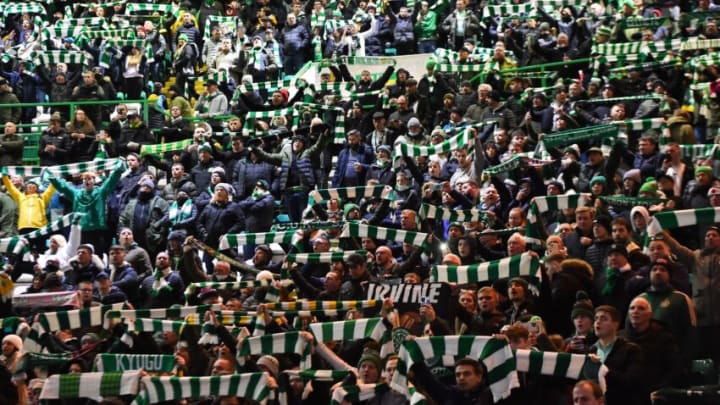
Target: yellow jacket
<point>31,208</point>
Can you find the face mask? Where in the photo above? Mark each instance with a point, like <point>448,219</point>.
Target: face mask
<point>402,187</point>
<point>565,162</point>
<point>144,195</point>
<point>382,162</point>
<point>220,278</point>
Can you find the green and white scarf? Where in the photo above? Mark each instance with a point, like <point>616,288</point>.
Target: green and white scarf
<point>458,141</point>
<point>230,285</point>
<point>154,325</point>
<point>373,328</point>
<point>514,162</point>
<point>351,193</point>
<point>162,389</point>
<point>94,386</point>
<point>233,240</point>
<point>562,365</point>
<point>177,215</point>
<point>563,138</point>
<point>323,257</point>
<point>288,342</point>
<point>429,211</point>
<point>676,219</point>
<point>494,353</point>
<point>303,305</point>
<point>358,230</point>
<point>523,264</point>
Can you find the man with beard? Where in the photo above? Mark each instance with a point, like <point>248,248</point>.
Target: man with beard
<point>521,306</point>
<point>353,161</point>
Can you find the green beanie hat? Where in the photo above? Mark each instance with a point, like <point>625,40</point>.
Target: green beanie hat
<point>598,179</point>
<point>704,169</point>
<point>430,64</point>
<point>650,186</point>
<point>348,208</point>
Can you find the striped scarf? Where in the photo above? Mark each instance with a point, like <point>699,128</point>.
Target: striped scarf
<point>179,214</point>
<point>162,389</point>
<point>55,57</point>
<point>288,342</point>
<point>579,135</point>
<point>534,231</point>
<point>523,264</point>
<point>514,162</point>
<point>373,328</point>
<point>323,257</point>
<point>429,211</point>
<point>62,170</point>
<point>322,305</point>
<point>642,124</point>
<point>160,313</point>
<point>55,226</point>
<point>59,320</point>
<point>160,148</point>
<point>230,285</point>
<point>495,353</point>
<point>447,146</point>
<point>153,363</point>
<point>240,239</point>
<point>675,219</point>
<point>350,193</point>
<point>154,325</point>
<point>563,365</point>
<point>268,86</point>
<point>358,230</point>
<point>159,284</point>
<point>508,9</point>
<point>133,8</point>
<point>94,386</point>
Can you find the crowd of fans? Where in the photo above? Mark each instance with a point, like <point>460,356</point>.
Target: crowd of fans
<point>468,137</point>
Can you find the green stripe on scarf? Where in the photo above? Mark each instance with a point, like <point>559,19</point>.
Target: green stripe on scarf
<point>373,328</point>
<point>523,264</point>
<point>495,353</point>
<point>161,148</point>
<point>351,193</point>
<point>239,239</point>
<point>462,139</point>
<point>675,219</point>
<point>161,389</point>
<point>429,211</point>
<point>289,342</point>
<point>324,257</point>
<point>358,230</point>
<point>579,135</point>
<point>91,385</point>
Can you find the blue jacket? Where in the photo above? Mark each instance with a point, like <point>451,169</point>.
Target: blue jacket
<point>365,157</point>
<point>296,38</point>
<point>246,174</point>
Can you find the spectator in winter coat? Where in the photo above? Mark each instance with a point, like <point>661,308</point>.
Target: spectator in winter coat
<point>142,215</point>
<point>353,161</point>
<point>90,90</point>
<point>221,216</point>
<point>258,208</point>
<point>11,146</point>
<point>8,114</point>
<point>404,32</point>
<point>54,143</point>
<point>295,39</point>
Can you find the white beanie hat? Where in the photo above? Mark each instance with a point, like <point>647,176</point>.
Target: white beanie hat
<point>272,364</point>
<point>14,340</point>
